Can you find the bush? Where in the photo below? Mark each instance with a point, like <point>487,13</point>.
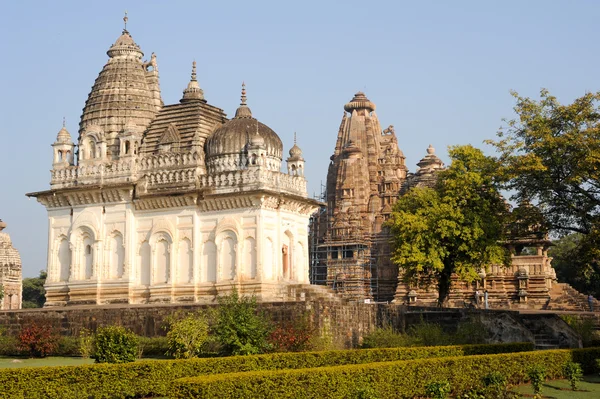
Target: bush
<point>537,376</point>
<point>156,347</point>
<point>187,336</point>
<point>67,346</point>
<point>470,332</point>
<point>429,334</point>
<point>86,343</point>
<point>115,344</point>
<point>37,340</point>
<point>292,337</point>
<point>573,373</point>
<point>8,344</point>
<point>240,329</point>
<point>584,327</point>
<point>386,379</point>
<point>155,378</point>
<point>386,337</point>
<point>438,389</point>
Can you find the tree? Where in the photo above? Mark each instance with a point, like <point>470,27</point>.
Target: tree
<point>240,329</point>
<point>550,156</point>
<point>454,227</point>
<point>34,294</point>
<point>187,335</point>
<point>570,258</point>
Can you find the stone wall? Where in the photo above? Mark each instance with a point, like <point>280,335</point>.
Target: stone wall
<point>345,323</point>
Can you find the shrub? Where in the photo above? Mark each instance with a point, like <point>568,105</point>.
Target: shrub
<point>8,344</point>
<point>37,340</point>
<point>155,378</point>
<point>154,346</point>
<point>67,346</point>
<point>438,389</point>
<point>292,337</point>
<point>584,327</point>
<point>387,379</point>
<point>470,332</point>
<point>386,337</point>
<point>240,329</point>
<point>115,344</point>
<point>429,334</point>
<point>537,376</point>
<point>574,374</point>
<point>187,336</point>
<point>86,343</point>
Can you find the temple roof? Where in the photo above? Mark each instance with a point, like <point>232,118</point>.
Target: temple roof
<point>125,90</point>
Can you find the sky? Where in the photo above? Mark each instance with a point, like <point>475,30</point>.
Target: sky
<point>440,71</point>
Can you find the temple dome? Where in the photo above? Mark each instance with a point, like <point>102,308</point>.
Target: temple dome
<point>359,101</point>
<point>125,90</point>
<point>64,136</point>
<point>226,148</point>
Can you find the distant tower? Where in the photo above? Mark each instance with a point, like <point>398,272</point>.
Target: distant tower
<point>10,272</point>
<point>295,162</point>
<point>366,172</point>
<point>63,149</point>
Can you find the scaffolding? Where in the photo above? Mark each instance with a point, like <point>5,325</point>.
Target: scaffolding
<point>344,265</point>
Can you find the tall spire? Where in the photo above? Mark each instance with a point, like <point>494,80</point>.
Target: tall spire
<point>243,111</point>
<point>193,90</point>
<point>125,19</point>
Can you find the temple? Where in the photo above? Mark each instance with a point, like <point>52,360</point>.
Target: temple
<point>170,203</point>
<point>350,250</point>
<point>11,285</point>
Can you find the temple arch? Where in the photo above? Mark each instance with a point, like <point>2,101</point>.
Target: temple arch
<point>145,263</point>
<point>117,256</point>
<point>227,255</point>
<point>64,259</point>
<point>209,259</point>
<point>250,258</point>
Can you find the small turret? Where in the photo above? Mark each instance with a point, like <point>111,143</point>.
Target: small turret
<point>193,92</point>
<point>295,162</point>
<point>63,149</point>
<point>130,140</point>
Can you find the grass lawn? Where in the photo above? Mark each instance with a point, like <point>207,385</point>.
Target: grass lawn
<point>7,362</point>
<point>560,389</point>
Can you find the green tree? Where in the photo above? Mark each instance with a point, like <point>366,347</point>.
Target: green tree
<point>452,228</point>
<point>115,344</point>
<point>550,156</point>
<point>241,329</point>
<point>186,336</point>
<point>34,294</point>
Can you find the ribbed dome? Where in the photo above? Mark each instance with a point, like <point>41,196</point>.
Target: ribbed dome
<point>63,136</point>
<point>295,152</point>
<point>124,91</point>
<point>360,101</point>
<point>226,148</point>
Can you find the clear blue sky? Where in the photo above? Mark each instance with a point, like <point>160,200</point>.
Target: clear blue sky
<point>439,71</point>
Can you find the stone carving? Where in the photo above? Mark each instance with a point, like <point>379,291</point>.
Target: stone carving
<point>10,272</point>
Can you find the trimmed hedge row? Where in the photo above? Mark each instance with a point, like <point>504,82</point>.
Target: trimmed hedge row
<point>156,377</point>
<point>400,379</point>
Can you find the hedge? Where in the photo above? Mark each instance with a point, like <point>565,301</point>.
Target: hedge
<point>145,378</point>
<point>399,379</point>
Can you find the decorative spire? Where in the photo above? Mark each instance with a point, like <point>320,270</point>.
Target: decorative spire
<point>294,138</point>
<point>295,152</point>
<point>125,19</point>
<point>193,90</point>
<point>243,93</point>
<point>64,122</point>
<point>243,111</point>
<point>194,71</point>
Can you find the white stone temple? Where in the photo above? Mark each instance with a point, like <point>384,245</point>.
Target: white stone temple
<point>170,203</point>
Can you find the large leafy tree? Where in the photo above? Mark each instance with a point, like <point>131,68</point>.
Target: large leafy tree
<point>34,294</point>
<point>550,156</point>
<point>455,227</point>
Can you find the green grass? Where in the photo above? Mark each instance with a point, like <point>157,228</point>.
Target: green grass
<point>8,362</point>
<point>589,388</point>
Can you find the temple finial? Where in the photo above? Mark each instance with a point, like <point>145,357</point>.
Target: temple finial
<point>125,19</point>
<point>194,70</point>
<point>64,122</point>
<point>294,138</point>
<point>243,93</point>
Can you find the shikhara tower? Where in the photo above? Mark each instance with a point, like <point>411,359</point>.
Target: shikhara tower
<point>170,203</point>
<point>351,251</point>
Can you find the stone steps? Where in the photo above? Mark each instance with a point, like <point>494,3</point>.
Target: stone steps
<point>565,297</point>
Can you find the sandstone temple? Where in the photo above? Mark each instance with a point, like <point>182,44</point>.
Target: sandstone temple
<point>10,273</point>
<point>170,203</point>
<point>350,250</point>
